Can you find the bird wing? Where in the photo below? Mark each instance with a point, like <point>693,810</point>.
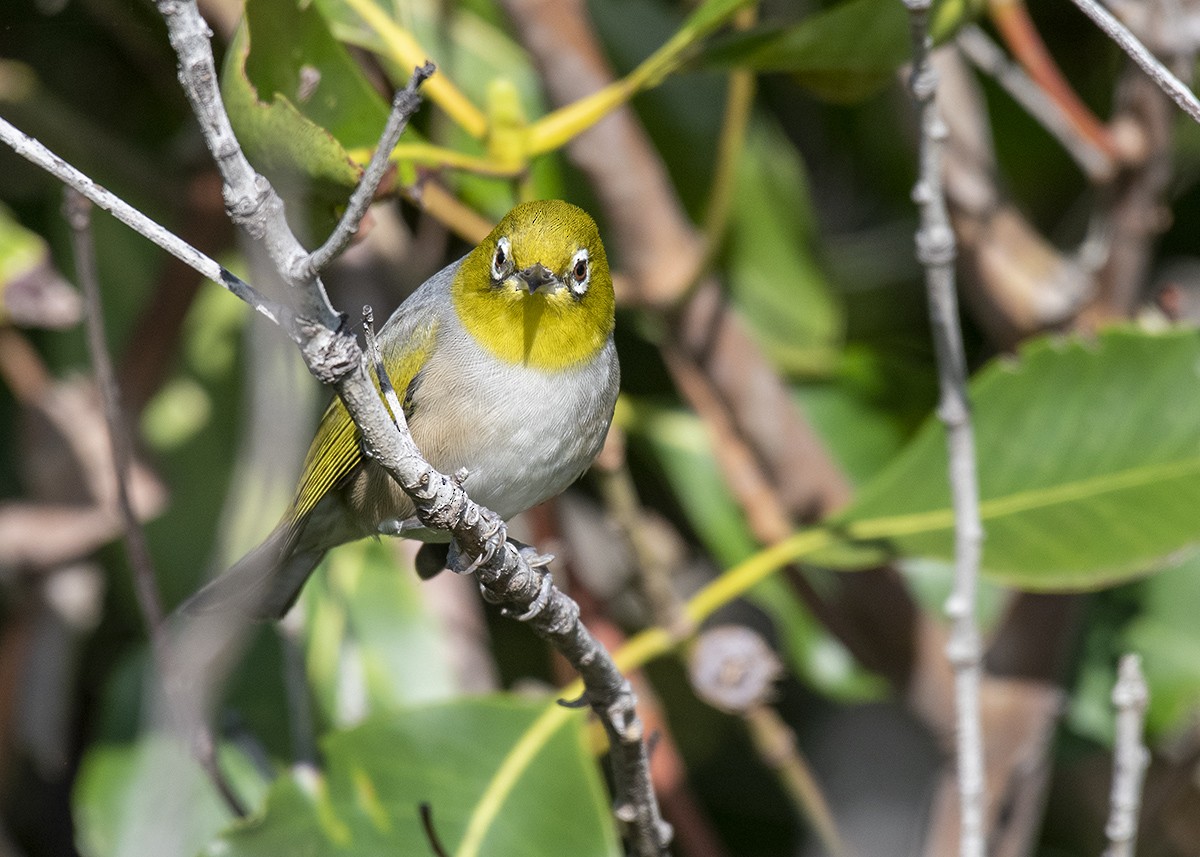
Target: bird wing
<point>406,342</point>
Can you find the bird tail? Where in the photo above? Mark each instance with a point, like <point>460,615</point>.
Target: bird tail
<point>262,585</point>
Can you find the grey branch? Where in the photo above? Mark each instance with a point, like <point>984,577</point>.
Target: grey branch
<point>404,105</point>
<point>79,218</point>
<point>1140,54</point>
<point>36,153</point>
<point>936,251</point>
<point>333,355</point>
<point>1130,758</point>
<point>985,55</point>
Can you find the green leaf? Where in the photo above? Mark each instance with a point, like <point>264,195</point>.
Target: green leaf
<point>378,774</point>
<point>371,644</point>
<point>774,277</point>
<point>151,797</point>
<point>845,53</point>
<point>291,127</point>
<point>1088,460</point>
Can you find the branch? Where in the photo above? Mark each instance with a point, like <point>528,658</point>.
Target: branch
<point>36,153</point>
<point>1130,758</point>
<point>78,214</point>
<point>1097,161</point>
<point>79,217</point>
<point>404,105</point>
<point>1017,29</point>
<point>935,251</point>
<point>1128,42</point>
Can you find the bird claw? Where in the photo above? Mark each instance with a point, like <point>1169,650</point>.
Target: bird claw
<point>539,604</point>
<point>390,527</point>
<point>458,562</point>
<point>530,554</point>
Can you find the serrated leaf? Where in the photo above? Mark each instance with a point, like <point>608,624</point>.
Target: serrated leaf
<point>378,774</point>
<point>1088,459</point>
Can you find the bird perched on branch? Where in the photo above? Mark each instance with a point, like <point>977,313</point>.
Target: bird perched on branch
<point>505,364</point>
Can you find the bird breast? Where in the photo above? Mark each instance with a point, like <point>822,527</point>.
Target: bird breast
<point>522,434</point>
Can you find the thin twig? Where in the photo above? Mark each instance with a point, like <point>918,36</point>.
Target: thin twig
<point>1130,757</point>
<point>77,209</point>
<point>935,251</point>
<point>404,105</point>
<point>431,834</point>
<point>376,358</point>
<point>1140,54</point>
<point>1096,162</point>
<point>36,153</point>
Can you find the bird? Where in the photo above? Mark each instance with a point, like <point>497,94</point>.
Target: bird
<point>508,373</point>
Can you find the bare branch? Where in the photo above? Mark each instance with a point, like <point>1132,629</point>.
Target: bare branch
<point>404,105</point>
<point>1130,758</point>
<point>36,153</point>
<point>1128,42</point>
<point>986,55</point>
<point>78,214</point>
<point>333,355</point>
<point>936,251</point>
<point>145,585</point>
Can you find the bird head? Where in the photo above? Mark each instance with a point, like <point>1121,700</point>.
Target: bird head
<point>538,289</point>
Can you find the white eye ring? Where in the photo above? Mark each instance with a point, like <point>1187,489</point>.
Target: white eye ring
<point>502,259</point>
<point>580,273</point>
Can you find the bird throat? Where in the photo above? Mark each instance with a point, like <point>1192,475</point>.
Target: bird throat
<point>534,309</point>
<point>547,332</point>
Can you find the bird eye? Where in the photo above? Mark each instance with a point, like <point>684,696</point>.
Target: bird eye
<point>500,262</point>
<point>580,272</point>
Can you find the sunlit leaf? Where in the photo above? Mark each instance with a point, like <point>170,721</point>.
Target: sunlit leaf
<point>151,797</point>
<point>297,100</point>
<point>377,775</point>
<point>1088,457</point>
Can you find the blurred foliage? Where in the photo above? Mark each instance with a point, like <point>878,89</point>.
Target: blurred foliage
<point>1087,448</point>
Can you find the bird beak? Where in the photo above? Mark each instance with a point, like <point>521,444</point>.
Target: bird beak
<point>538,278</point>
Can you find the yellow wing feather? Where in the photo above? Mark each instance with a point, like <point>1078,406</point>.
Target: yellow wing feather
<point>337,449</point>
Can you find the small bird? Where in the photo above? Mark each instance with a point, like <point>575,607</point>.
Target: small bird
<point>506,367</point>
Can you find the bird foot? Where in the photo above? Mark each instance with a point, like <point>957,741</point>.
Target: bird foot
<point>531,556</point>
